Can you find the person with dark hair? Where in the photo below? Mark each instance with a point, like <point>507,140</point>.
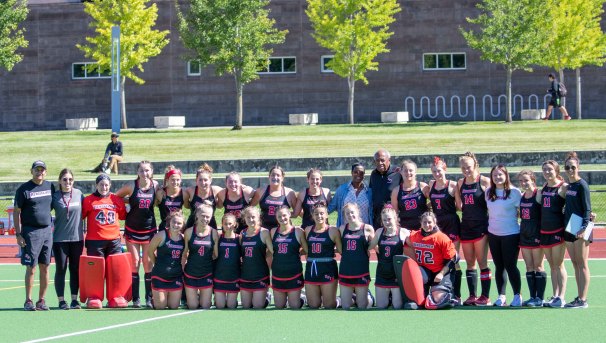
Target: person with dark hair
<point>169,198</point>
<point>578,203</point>
<point>503,201</point>
<point>383,179</point>
<point>311,196</point>
<point>203,192</point>
<point>113,154</point>
<point>68,237</point>
<point>556,98</point>
<point>356,192</point>
<point>33,228</point>
<point>273,196</point>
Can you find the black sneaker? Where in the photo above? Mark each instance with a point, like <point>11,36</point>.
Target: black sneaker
<point>29,305</point>
<point>41,305</point>
<point>75,305</point>
<point>577,303</point>
<point>63,305</point>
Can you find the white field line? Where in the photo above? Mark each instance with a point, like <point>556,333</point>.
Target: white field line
<point>111,327</point>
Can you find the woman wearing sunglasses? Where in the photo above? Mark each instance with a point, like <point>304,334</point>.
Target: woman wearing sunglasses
<point>68,237</point>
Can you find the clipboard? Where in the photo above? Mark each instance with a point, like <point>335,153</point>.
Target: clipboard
<point>574,226</point>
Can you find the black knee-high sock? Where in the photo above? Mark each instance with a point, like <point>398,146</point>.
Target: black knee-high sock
<point>135,288</point>
<point>148,292</point>
<point>472,281</point>
<point>458,275</point>
<point>531,280</point>
<point>541,283</point>
<point>485,280</point>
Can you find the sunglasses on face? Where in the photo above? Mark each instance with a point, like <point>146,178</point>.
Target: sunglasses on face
<point>570,168</point>
<point>66,179</point>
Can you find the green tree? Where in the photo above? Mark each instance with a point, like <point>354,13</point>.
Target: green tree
<point>232,35</point>
<point>355,31</point>
<point>12,13</point>
<point>575,38</point>
<point>138,40</point>
<point>509,35</point>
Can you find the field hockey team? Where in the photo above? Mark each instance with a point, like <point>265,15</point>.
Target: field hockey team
<point>255,248</point>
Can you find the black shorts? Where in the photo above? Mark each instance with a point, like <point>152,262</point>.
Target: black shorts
<point>253,286</point>
<point>472,231</point>
<point>205,281</point>
<point>103,248</point>
<point>446,280</point>
<point>355,281</point>
<point>555,102</point>
<point>226,286</point>
<point>139,237</point>
<point>38,246</point>
<point>294,283</point>
<point>385,276</point>
<point>450,226</point>
<point>551,238</point>
<point>568,237</point>
<point>167,285</point>
<point>530,241</point>
<point>321,273</point>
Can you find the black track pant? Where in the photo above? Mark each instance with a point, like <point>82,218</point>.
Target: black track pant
<point>505,251</point>
<point>67,255</point>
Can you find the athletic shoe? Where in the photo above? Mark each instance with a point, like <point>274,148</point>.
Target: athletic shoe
<point>29,305</point>
<point>268,297</point>
<point>456,301</point>
<point>94,304</point>
<point>471,301</point>
<point>371,300</point>
<point>537,302</point>
<point>527,303</point>
<point>567,118</point>
<point>546,118</point>
<point>338,300</point>
<point>303,299</point>
<point>137,303</point>
<point>75,305</point>
<point>556,302</point>
<point>63,305</point>
<point>517,301</point>
<point>483,301</point>
<point>41,305</point>
<point>411,306</point>
<point>577,303</point>
<point>148,302</point>
<point>500,302</point>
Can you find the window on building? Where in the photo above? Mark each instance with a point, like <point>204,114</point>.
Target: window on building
<point>88,70</point>
<point>194,68</point>
<point>444,61</point>
<point>279,65</point>
<point>323,63</point>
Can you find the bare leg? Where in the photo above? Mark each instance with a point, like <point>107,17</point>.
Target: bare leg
<point>294,299</point>
<point>346,293</point>
<point>43,280</point>
<point>382,296</point>
<point>314,295</point>
<point>279,299</point>
<point>174,299</point>
<point>29,281</point>
<point>329,295</point>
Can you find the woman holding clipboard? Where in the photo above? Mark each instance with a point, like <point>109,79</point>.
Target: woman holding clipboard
<point>578,203</point>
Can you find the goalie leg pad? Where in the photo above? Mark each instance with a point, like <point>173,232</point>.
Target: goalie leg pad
<point>119,280</point>
<point>92,273</point>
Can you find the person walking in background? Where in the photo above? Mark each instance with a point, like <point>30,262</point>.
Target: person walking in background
<point>556,98</point>
<point>113,154</point>
<point>33,227</point>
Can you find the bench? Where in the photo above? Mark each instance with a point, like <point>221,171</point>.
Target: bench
<point>82,124</point>
<point>394,117</point>
<point>303,119</point>
<point>169,122</point>
<point>533,114</point>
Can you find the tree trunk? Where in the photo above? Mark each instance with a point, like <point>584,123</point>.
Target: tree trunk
<point>123,103</point>
<point>239,107</point>
<point>578,72</point>
<point>350,103</point>
<point>508,116</point>
<point>561,79</point>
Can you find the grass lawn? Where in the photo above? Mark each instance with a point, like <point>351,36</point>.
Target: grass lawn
<point>83,150</point>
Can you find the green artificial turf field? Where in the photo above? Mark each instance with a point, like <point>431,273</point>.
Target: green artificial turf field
<point>469,324</point>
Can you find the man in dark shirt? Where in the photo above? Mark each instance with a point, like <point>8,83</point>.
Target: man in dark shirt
<point>556,99</point>
<point>33,226</point>
<point>382,180</point>
<point>113,153</point>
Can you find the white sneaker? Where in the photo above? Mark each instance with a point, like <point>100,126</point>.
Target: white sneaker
<point>501,301</point>
<point>517,301</point>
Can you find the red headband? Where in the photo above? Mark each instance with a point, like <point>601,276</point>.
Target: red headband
<point>171,173</point>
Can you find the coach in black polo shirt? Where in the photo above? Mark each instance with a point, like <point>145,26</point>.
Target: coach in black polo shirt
<point>382,180</point>
<point>33,226</point>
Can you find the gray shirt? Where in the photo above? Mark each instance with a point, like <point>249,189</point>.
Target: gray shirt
<point>68,223</point>
<point>503,212</point>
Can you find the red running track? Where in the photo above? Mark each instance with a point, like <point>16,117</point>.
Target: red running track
<point>9,249</point>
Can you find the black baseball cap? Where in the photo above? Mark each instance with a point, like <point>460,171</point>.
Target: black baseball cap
<point>115,134</point>
<point>38,163</point>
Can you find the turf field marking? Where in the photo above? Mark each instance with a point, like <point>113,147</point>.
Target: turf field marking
<point>18,287</point>
<point>111,327</point>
